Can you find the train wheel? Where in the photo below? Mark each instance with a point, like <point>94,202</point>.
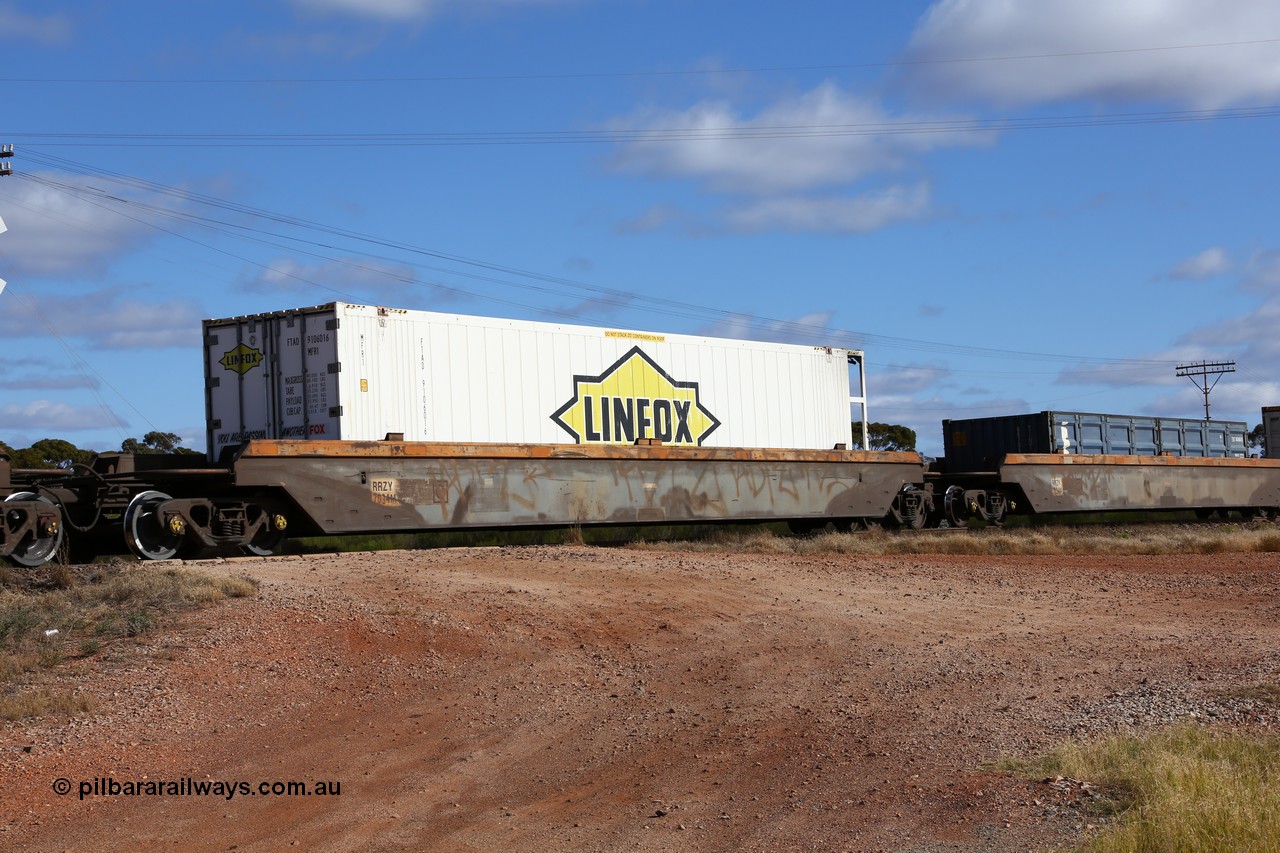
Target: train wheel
<point>145,532</point>
<point>267,543</point>
<point>954,508</point>
<point>34,551</point>
<point>269,540</point>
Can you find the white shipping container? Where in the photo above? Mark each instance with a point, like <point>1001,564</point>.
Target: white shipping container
<point>358,372</point>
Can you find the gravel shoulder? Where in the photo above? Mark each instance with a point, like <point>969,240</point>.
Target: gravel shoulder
<point>602,699</point>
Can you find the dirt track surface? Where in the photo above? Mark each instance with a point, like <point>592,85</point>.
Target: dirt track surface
<point>605,699</point>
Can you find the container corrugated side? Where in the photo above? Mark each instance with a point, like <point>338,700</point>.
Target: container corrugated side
<point>457,378</point>
<point>978,444</point>
<point>1271,431</point>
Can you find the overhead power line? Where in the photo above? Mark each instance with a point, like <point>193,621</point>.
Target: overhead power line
<point>596,75</point>
<point>747,132</point>
<point>348,241</point>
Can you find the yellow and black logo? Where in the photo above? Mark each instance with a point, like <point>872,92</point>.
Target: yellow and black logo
<point>635,399</point>
<point>242,359</point>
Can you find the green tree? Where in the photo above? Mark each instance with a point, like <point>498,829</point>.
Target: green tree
<point>885,437</point>
<point>156,442</point>
<point>51,453</point>
<point>1257,439</point>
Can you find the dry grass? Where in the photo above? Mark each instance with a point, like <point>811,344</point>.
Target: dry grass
<point>78,616</point>
<point>43,703</point>
<point>1058,540</point>
<point>1183,789</point>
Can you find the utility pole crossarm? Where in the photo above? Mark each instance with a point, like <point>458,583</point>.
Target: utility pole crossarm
<point>6,151</point>
<point>1199,373</point>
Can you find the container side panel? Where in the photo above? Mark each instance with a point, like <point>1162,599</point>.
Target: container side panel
<point>1271,431</point>
<point>978,444</point>
<point>440,377</point>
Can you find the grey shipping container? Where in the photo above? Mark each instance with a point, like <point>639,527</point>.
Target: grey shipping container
<point>978,444</point>
<point>1271,431</point>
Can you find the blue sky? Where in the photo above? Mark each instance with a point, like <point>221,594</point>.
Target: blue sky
<point>1010,207</point>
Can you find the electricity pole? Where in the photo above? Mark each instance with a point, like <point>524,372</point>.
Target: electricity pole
<point>6,151</point>
<point>1199,373</point>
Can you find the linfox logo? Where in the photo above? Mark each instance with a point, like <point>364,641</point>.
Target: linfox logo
<point>242,359</point>
<point>635,399</point>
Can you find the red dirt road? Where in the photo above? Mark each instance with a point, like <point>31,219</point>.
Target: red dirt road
<point>610,699</point>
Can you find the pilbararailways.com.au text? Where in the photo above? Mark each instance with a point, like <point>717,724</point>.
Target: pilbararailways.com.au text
<point>188,787</point>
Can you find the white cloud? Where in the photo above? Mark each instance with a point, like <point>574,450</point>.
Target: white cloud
<point>50,383</point>
<point>1253,336</point>
<point>106,320</point>
<point>595,307</point>
<point>17,25</point>
<point>1208,264</point>
<point>908,379</point>
<point>299,44</point>
<point>657,217</point>
<point>856,215</point>
<point>406,10</point>
<point>824,138</point>
<point>355,279</point>
<point>1234,398</point>
<point>391,10</point>
<point>1111,45</point>
<point>1131,374</point>
<point>809,328</point>
<point>53,232</point>
<point>49,415</point>
<point>1263,272</point>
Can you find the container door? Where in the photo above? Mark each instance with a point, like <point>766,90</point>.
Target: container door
<point>1091,434</point>
<point>306,377</point>
<point>1171,442</point>
<point>1193,436</point>
<point>238,387</point>
<point>1118,441</point>
<point>1271,431</point>
<point>1215,439</point>
<point>1144,437</point>
<point>1237,440</point>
